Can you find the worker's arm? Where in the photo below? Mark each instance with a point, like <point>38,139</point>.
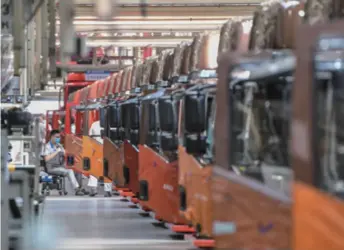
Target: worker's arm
<point>48,155</point>
<point>51,156</point>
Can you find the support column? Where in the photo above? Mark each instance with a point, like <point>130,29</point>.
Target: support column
<point>52,39</point>
<point>45,45</point>
<point>30,57</point>
<point>67,33</point>
<point>38,50</point>
<point>18,36</point>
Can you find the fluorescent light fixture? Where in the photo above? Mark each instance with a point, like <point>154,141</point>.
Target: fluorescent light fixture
<point>104,8</point>
<point>133,43</point>
<point>172,22</point>
<point>119,18</point>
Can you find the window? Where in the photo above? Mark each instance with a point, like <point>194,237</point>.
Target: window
<point>259,130</point>
<point>329,113</point>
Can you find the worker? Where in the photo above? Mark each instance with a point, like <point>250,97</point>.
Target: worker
<point>53,153</point>
<point>42,132</point>
<point>94,132</point>
<point>72,125</point>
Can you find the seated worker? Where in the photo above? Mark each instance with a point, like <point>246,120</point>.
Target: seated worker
<point>93,182</point>
<point>54,149</point>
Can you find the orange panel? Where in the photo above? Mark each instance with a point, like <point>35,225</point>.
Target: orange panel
<point>74,147</point>
<point>93,150</point>
<point>118,86</point>
<point>106,87</point>
<point>115,156</point>
<point>84,93</point>
<point>100,88</point>
<point>318,219</point>
<point>131,161</point>
<point>162,178</point>
<point>249,215</point>
<point>76,77</point>
<point>195,178</point>
<point>92,94</point>
<point>76,98</point>
<point>112,86</point>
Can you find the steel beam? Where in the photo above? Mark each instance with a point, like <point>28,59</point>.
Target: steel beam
<point>38,50</point>
<point>166,28</point>
<point>18,36</point>
<point>52,38</point>
<point>67,32</point>
<point>30,56</point>
<point>173,2</point>
<point>45,44</point>
<point>84,68</point>
<point>175,11</point>
<point>139,38</point>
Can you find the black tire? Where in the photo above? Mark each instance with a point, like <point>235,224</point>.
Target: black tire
<point>60,193</point>
<point>65,193</point>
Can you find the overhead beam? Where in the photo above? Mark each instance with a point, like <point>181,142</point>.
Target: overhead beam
<point>148,26</point>
<point>139,38</point>
<point>234,10</point>
<point>174,2</point>
<point>143,29</point>
<point>84,68</point>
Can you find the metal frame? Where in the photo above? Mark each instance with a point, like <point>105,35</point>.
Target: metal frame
<point>17,184</point>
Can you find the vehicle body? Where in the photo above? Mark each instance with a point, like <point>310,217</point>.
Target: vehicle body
<point>316,140</point>
<point>74,82</point>
<point>74,141</point>
<point>113,143</point>
<point>194,157</point>
<point>92,148</point>
<point>253,168</point>
<point>251,181</point>
<point>158,165</point>
<point>131,119</point>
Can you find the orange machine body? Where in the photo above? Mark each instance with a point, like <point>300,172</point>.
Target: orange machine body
<point>92,149</point>
<point>158,172</point>
<point>73,141</point>
<point>162,178</point>
<point>247,213</point>
<point>131,153</point>
<point>115,151</point>
<point>131,166</point>
<point>318,215</point>
<point>195,181</point>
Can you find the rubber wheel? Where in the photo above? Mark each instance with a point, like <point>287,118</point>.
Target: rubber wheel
<point>65,193</point>
<point>60,193</point>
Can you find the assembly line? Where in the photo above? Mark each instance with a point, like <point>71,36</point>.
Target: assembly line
<point>228,141</point>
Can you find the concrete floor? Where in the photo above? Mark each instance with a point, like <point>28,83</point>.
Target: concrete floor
<point>100,223</point>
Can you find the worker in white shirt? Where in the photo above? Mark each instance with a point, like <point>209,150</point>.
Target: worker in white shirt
<point>42,132</point>
<point>72,125</point>
<point>94,132</point>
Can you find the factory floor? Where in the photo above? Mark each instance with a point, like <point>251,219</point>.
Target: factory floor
<point>101,223</point>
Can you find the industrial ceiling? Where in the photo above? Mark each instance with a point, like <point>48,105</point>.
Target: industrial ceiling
<point>177,17</point>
